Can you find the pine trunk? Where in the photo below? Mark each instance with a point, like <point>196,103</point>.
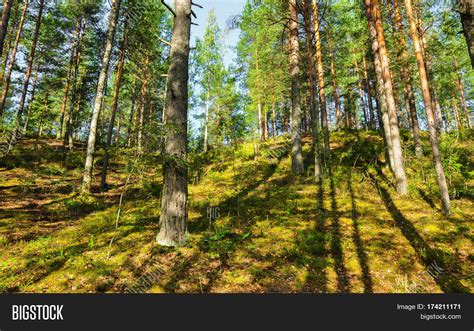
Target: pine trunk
<point>314,103</point>
<point>31,59</point>
<point>321,82</point>
<point>297,166</point>
<point>380,86</point>
<point>174,213</point>
<point>7,6</point>
<point>118,81</point>
<point>466,9</point>
<point>87,179</point>
<point>399,168</point>
<point>443,186</point>
<point>406,76</point>
<point>6,85</point>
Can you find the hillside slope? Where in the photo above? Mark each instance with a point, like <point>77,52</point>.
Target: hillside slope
<point>269,232</point>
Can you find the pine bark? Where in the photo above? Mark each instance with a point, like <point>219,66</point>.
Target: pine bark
<point>313,101</point>
<point>7,6</point>
<point>443,186</point>
<point>466,10</point>
<point>406,76</point>
<point>6,85</point>
<point>31,59</point>
<point>321,82</point>
<point>380,86</point>
<point>399,168</point>
<point>87,178</point>
<point>174,213</point>
<point>118,81</point>
<point>297,166</point>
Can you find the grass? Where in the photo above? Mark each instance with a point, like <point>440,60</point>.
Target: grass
<point>274,233</point>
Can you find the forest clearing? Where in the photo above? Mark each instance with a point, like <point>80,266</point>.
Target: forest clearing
<point>304,146</point>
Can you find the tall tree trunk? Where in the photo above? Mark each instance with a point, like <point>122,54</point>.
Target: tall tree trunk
<point>321,83</point>
<point>87,179</point>
<point>174,213</point>
<point>6,86</point>
<point>11,36</point>
<point>118,81</point>
<point>399,168</point>
<point>337,99</point>
<point>31,59</point>
<point>7,6</point>
<point>466,9</point>
<point>74,45</point>
<point>297,166</point>
<point>460,87</point>
<point>406,76</point>
<point>443,186</point>
<point>312,89</point>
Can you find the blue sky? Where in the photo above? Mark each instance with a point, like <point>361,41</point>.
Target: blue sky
<point>224,9</point>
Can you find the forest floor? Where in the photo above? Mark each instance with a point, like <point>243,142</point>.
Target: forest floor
<point>270,232</point>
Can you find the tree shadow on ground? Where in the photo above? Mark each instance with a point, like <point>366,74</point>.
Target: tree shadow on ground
<point>447,279</point>
<point>360,247</point>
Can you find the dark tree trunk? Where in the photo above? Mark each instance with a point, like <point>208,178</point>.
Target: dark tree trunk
<point>7,6</point>
<point>466,9</point>
<point>174,212</point>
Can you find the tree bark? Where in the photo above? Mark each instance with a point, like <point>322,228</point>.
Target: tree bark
<point>87,179</point>
<point>174,213</point>
<point>31,59</point>
<point>321,82</point>
<point>7,6</point>
<point>6,86</point>
<point>406,76</point>
<point>118,81</point>
<point>466,10</point>
<point>429,110</point>
<point>399,168</point>
<point>380,86</point>
<point>312,86</point>
<point>297,166</point>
